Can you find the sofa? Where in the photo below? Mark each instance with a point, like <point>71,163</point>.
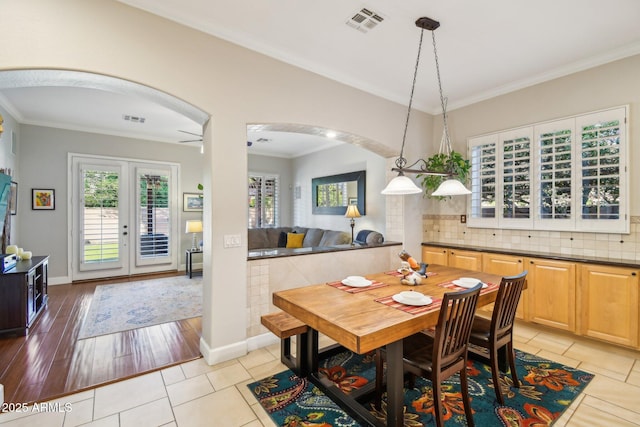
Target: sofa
<point>267,238</point>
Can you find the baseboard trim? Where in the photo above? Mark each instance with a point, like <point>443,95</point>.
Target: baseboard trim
<point>221,354</point>
<point>260,341</point>
<point>232,351</point>
<point>64,280</point>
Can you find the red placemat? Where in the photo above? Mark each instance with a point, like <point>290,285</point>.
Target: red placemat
<point>396,273</point>
<point>450,285</point>
<point>374,285</point>
<point>412,309</point>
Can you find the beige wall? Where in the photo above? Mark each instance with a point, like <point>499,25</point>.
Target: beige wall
<point>342,159</point>
<point>234,85</point>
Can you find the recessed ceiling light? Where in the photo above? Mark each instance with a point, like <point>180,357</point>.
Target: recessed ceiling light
<point>331,134</point>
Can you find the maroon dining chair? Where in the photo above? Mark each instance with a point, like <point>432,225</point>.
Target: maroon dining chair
<point>489,336</point>
<point>440,356</point>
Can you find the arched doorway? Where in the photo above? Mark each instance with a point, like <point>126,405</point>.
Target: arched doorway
<point>70,105</point>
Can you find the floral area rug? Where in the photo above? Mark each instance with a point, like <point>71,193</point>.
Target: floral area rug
<point>124,306</point>
<point>546,391</point>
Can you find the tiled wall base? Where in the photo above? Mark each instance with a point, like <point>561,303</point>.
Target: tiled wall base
<point>448,229</point>
<point>265,276</point>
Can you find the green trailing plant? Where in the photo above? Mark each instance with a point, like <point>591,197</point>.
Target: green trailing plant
<point>442,162</point>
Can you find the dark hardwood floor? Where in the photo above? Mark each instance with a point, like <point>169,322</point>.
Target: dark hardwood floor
<point>51,362</point>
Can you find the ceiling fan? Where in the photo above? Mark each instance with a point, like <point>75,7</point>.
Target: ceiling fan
<point>191,133</point>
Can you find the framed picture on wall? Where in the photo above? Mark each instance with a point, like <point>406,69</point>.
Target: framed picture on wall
<point>192,202</point>
<point>43,199</point>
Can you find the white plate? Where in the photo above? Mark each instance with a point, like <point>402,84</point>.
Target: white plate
<point>424,301</point>
<point>468,283</point>
<point>363,283</point>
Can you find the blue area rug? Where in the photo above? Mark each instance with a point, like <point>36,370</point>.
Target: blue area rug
<point>124,306</point>
<point>546,391</point>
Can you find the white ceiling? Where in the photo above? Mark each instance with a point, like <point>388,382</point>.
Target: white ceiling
<point>484,49</point>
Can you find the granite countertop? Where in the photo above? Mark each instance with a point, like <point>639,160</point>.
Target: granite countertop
<point>545,255</point>
<point>282,252</point>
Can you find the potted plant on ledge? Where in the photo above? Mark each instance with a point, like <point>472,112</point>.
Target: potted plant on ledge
<point>453,163</point>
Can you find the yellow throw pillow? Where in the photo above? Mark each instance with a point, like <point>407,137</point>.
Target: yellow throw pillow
<point>294,240</point>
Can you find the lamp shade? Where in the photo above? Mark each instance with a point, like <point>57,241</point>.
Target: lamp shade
<point>194,226</point>
<point>352,212</point>
<point>451,187</point>
<point>401,185</point>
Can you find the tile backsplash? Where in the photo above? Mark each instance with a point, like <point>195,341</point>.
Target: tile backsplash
<point>448,229</point>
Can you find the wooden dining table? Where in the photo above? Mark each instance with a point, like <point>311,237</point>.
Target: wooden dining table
<point>364,319</point>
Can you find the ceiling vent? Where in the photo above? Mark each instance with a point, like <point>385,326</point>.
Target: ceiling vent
<point>133,119</point>
<point>365,20</point>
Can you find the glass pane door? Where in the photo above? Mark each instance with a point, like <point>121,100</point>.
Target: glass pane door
<point>100,218</point>
<point>154,216</point>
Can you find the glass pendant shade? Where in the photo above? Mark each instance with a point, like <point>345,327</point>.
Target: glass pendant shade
<point>401,185</point>
<point>451,187</point>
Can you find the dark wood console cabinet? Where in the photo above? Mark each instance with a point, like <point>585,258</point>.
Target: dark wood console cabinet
<point>23,294</point>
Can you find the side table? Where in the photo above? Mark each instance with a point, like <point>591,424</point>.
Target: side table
<point>189,260</point>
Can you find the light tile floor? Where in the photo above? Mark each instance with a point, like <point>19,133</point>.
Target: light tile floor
<point>195,394</point>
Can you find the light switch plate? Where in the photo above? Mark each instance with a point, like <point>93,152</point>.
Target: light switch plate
<point>232,240</point>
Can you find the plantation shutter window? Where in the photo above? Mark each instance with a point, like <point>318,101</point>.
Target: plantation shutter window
<point>515,175</point>
<point>555,193</point>
<point>154,219</point>
<point>568,174</point>
<point>516,158</point>
<point>483,181</point>
<point>263,201</point>
<point>603,178</point>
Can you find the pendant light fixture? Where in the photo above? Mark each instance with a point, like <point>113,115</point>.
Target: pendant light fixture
<point>402,184</point>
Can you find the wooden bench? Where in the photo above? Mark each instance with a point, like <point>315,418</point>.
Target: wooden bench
<point>284,326</point>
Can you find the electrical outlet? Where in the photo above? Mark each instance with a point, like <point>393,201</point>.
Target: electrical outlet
<point>463,219</point>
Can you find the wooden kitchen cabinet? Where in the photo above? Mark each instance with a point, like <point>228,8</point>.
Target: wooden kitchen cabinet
<point>469,260</point>
<point>435,255</point>
<point>599,301</point>
<point>504,265</point>
<point>551,293</point>
<point>608,303</point>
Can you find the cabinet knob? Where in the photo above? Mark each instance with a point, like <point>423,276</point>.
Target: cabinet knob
<point>634,273</point>
<point>519,260</point>
<point>530,262</point>
<point>452,253</point>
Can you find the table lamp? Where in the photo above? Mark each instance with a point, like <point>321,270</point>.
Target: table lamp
<point>352,212</point>
<point>194,226</point>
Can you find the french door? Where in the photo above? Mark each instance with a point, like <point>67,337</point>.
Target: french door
<point>124,217</point>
